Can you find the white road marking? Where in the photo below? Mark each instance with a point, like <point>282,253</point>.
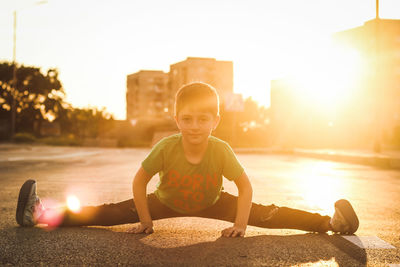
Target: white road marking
<point>71,155</point>
<point>368,242</point>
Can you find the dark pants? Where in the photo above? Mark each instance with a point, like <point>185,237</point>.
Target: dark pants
<point>224,209</point>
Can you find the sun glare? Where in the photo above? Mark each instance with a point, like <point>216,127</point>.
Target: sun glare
<point>73,203</point>
<point>320,187</point>
<point>327,79</point>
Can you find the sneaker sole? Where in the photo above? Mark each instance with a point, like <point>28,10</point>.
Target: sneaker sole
<point>348,213</point>
<point>23,199</point>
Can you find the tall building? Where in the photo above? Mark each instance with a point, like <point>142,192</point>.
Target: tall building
<point>219,74</point>
<point>147,95</point>
<point>283,110</point>
<point>294,122</point>
<point>150,94</point>
<point>378,42</point>
<point>371,112</point>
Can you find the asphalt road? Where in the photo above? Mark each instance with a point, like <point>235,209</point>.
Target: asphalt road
<point>99,175</point>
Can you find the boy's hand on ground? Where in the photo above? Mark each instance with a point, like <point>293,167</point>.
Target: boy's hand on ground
<point>234,231</point>
<point>145,228</point>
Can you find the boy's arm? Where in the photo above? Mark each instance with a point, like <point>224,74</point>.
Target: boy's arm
<point>243,207</point>
<point>139,186</point>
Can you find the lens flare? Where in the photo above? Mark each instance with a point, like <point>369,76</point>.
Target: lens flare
<point>73,203</point>
<point>52,216</point>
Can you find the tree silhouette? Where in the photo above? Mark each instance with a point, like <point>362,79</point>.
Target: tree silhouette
<point>86,122</point>
<point>38,96</point>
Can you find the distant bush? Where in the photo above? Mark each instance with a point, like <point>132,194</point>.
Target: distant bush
<point>24,138</point>
<point>130,142</point>
<point>69,140</point>
<point>140,135</point>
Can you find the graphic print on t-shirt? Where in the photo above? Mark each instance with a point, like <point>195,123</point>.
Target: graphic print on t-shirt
<point>191,189</point>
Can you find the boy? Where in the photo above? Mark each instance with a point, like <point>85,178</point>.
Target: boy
<point>191,165</point>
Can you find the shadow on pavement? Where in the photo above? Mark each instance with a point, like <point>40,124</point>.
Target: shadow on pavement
<point>105,246</point>
<point>347,247</point>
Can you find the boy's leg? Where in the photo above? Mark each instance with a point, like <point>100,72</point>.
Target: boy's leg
<point>104,215</point>
<point>268,216</point>
<point>115,213</point>
<point>30,211</point>
<point>287,218</point>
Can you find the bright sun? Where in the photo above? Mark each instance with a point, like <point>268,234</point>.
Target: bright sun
<point>73,203</point>
<point>326,77</point>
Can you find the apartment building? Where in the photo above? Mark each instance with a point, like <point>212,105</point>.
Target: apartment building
<point>378,42</point>
<point>151,93</point>
<point>147,95</point>
<point>371,113</point>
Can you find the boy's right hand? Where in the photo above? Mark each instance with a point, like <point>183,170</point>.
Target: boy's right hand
<point>146,228</point>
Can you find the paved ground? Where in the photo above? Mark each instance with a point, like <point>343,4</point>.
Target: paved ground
<point>99,175</point>
<point>386,159</point>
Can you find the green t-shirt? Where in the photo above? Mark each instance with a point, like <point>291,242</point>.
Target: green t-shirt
<point>186,187</point>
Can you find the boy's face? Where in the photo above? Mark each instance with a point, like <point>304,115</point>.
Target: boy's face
<point>195,125</point>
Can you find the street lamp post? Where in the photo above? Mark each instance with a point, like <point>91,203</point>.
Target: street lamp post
<point>14,81</point>
<point>14,90</point>
<point>377,143</point>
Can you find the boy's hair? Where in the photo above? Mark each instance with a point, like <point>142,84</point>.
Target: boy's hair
<point>198,94</point>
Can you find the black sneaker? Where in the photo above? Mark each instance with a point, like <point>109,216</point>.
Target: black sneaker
<point>29,207</point>
<point>344,220</point>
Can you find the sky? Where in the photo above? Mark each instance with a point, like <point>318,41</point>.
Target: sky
<point>95,44</point>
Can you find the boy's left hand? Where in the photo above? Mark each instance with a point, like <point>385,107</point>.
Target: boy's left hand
<point>234,231</point>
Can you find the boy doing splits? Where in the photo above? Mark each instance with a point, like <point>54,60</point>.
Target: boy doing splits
<point>191,165</point>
